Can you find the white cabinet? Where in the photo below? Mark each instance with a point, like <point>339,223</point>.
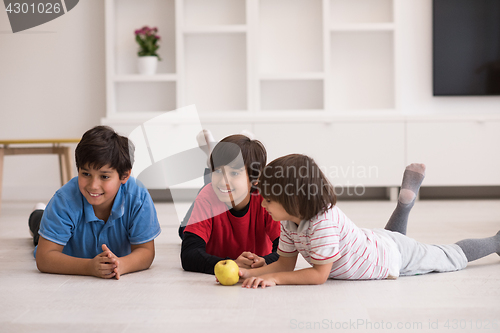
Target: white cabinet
<point>456,152</point>
<point>349,153</point>
<point>273,67</point>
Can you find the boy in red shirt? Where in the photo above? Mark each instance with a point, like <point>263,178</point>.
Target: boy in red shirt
<point>228,221</point>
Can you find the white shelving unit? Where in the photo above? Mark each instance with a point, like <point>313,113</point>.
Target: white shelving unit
<point>288,70</point>
<point>257,56</point>
<point>318,77</point>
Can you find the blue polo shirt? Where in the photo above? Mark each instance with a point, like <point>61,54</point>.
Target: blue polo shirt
<point>70,220</point>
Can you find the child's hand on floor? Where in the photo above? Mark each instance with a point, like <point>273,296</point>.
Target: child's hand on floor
<point>263,281</point>
<point>250,260</point>
<point>103,265</point>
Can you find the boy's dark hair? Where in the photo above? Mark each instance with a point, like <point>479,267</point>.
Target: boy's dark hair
<point>252,152</point>
<point>297,183</point>
<point>102,146</point>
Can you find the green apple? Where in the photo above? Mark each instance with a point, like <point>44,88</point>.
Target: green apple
<point>226,271</point>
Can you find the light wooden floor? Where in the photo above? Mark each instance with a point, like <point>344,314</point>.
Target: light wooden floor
<point>167,299</point>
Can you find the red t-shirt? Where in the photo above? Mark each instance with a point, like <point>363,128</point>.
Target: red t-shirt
<point>227,235</point>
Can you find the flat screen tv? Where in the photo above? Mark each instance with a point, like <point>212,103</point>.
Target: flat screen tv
<point>466,47</point>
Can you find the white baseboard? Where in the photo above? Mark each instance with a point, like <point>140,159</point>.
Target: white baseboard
<point>45,193</point>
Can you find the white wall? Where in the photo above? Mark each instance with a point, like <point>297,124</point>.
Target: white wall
<point>52,84</point>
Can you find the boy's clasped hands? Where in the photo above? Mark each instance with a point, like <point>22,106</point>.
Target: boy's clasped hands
<point>250,260</point>
<point>106,264</point>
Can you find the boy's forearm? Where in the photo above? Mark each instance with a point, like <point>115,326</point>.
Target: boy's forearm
<point>199,261</point>
<point>303,276</point>
<point>281,265</point>
<point>138,260</point>
<point>267,269</point>
<point>60,263</point>
<point>194,257</point>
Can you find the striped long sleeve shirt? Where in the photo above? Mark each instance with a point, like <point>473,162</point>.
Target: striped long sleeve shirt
<point>356,253</point>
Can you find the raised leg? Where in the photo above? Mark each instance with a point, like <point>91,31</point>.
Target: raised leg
<point>412,179</point>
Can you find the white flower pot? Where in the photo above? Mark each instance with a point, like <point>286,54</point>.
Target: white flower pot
<point>147,65</point>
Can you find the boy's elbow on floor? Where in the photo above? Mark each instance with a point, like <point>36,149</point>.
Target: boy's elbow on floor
<point>151,259</point>
<point>319,282</point>
<point>185,263</point>
<point>40,265</point>
<point>321,279</point>
<point>187,267</point>
<point>148,264</point>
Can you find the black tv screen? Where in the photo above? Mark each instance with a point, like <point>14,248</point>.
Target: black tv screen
<point>466,47</point>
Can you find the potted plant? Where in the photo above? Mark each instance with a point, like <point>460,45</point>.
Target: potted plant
<point>147,38</point>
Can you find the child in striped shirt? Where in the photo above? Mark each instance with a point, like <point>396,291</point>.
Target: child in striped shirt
<point>297,193</point>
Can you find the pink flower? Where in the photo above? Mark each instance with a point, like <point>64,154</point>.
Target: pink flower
<point>147,39</point>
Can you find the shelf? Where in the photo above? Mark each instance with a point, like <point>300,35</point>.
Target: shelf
<point>314,59</point>
<point>145,78</point>
<point>363,27</point>
<point>291,95</point>
<point>224,29</point>
<point>307,116</point>
<point>293,76</point>
<point>276,117</point>
<point>214,12</point>
<point>361,11</point>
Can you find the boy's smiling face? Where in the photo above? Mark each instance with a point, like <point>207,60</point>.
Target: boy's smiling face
<point>232,186</point>
<point>99,187</point>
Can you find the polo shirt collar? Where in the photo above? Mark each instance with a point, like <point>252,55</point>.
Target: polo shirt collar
<point>118,208</point>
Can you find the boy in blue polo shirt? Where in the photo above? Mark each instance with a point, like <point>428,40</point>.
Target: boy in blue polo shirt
<point>100,223</point>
